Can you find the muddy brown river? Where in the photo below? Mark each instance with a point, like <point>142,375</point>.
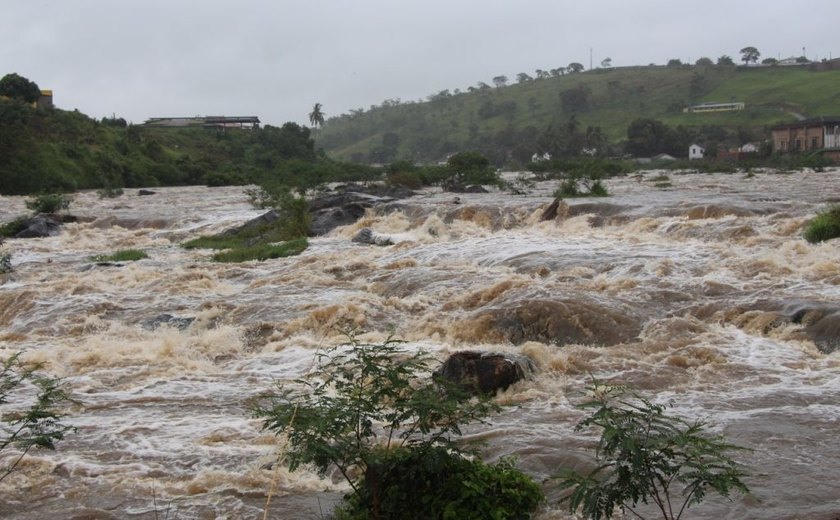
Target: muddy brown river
<point>702,293</point>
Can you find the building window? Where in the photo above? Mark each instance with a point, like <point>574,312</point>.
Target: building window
<point>813,143</point>
<point>797,145</point>
<point>783,145</point>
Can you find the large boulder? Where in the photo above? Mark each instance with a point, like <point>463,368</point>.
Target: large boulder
<point>42,225</point>
<point>342,208</point>
<point>180,323</point>
<point>485,372</point>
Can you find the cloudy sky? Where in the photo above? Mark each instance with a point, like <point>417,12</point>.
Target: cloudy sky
<point>276,58</point>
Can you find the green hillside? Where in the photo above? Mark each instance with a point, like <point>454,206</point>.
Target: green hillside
<point>508,122</point>
<point>47,149</point>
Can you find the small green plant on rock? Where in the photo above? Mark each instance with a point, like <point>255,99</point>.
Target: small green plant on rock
<point>123,255</point>
<point>645,456</point>
<point>367,412</point>
<point>49,203</point>
<point>825,226</point>
<point>35,424</point>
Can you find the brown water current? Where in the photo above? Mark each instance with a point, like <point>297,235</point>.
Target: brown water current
<point>702,294</point>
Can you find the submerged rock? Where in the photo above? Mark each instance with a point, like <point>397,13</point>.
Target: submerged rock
<point>142,193</point>
<point>485,372</point>
<point>552,321</point>
<point>167,319</point>
<point>367,236</point>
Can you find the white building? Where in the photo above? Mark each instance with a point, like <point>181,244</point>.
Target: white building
<point>696,151</point>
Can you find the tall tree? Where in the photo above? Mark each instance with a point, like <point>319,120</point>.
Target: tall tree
<point>749,55</point>
<point>316,117</point>
<point>522,78</point>
<point>17,87</point>
<point>606,63</point>
<point>500,81</point>
<point>725,61</point>
<point>575,67</point>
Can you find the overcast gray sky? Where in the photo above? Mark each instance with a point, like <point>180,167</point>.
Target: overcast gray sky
<point>275,59</point>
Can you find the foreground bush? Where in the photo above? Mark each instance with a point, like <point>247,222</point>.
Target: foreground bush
<point>432,482</point>
<point>28,419</point>
<point>367,413</point>
<point>645,456</point>
<point>824,226</point>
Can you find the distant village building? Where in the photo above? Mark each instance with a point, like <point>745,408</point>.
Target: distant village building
<point>537,157</point>
<point>46,99</point>
<point>810,135</point>
<point>749,148</point>
<point>204,122</point>
<point>695,151</point>
<point>715,107</point>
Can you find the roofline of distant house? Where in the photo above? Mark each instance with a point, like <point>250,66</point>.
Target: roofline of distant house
<point>813,121</point>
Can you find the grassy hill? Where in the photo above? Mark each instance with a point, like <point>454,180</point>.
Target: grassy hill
<point>501,121</point>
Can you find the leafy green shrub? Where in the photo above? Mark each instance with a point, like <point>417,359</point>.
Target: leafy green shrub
<point>472,168</point>
<point>124,255</point>
<point>109,192</point>
<point>366,411</point>
<point>646,456</point>
<point>35,424</point>
<point>263,251</point>
<point>49,203</point>
<point>825,226</point>
<point>433,482</point>
<point>293,210</point>
<point>411,180</point>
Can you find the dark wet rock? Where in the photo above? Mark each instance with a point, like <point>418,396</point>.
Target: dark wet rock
<point>485,372</point>
<point>95,265</point>
<point>820,322</point>
<point>39,226</point>
<point>550,213</point>
<point>168,320</point>
<point>582,321</point>
<point>143,193</point>
<point>333,210</point>
<point>266,218</point>
<point>367,236</point>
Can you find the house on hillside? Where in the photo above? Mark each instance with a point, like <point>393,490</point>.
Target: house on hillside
<point>695,151</point>
<point>221,122</point>
<point>818,134</point>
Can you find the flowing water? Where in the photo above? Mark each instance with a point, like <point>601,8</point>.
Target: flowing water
<point>702,294</point>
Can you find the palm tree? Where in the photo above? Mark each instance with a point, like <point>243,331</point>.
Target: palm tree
<point>316,117</point>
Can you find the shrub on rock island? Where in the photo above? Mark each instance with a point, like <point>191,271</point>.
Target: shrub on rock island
<point>824,226</point>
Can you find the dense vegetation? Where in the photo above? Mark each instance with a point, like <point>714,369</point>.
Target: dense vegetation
<point>511,122</point>
<point>44,149</point>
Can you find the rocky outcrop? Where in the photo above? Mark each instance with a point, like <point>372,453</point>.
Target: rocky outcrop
<point>143,193</point>
<point>485,372</point>
<point>42,225</point>
<point>347,204</point>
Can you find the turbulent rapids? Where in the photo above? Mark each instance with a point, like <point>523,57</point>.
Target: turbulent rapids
<point>703,294</point>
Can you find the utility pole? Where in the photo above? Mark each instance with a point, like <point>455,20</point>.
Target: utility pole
<point>590,58</point>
